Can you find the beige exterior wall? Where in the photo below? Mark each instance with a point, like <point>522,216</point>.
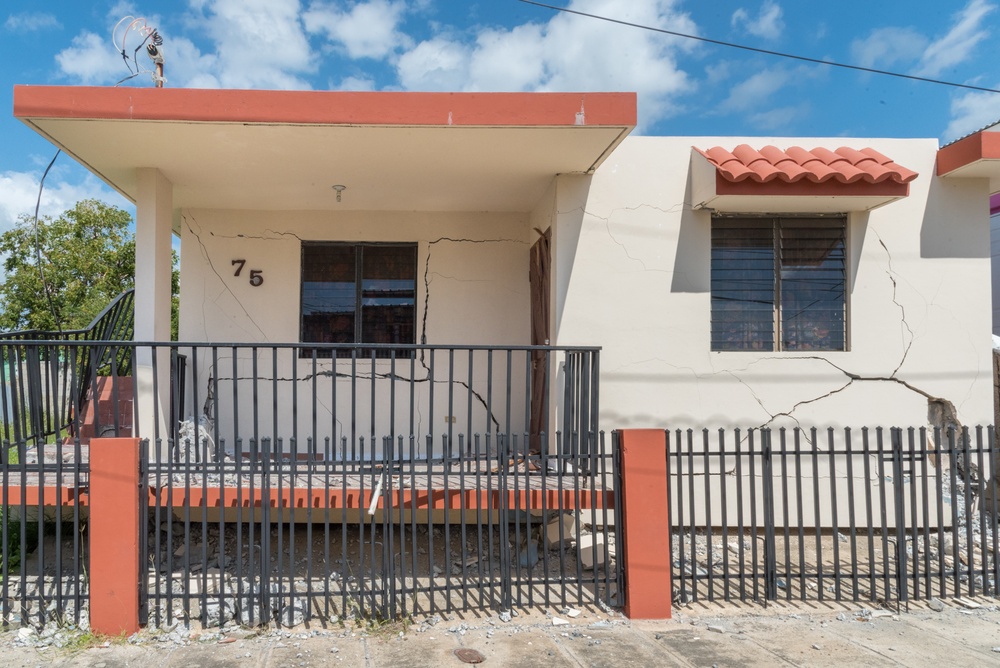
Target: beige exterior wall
<point>472,289</point>
<point>631,273</point>
<point>632,261</point>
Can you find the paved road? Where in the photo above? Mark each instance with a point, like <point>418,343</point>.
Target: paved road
<point>797,635</point>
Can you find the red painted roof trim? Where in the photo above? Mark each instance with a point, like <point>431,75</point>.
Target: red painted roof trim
<point>979,146</point>
<point>327,107</point>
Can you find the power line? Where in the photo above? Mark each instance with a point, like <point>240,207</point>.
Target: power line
<point>766,52</point>
<point>38,248</point>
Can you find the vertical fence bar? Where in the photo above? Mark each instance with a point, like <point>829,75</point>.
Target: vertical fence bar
<point>902,585</point>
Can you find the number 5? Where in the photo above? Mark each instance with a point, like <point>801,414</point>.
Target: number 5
<point>255,277</point>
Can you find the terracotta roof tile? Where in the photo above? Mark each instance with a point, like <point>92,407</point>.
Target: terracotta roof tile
<point>846,165</point>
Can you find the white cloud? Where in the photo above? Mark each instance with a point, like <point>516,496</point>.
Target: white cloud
<point>756,90</point>
<point>885,47</point>
<point>186,65</point>
<point>436,64</point>
<point>567,53</point>
<point>970,112</point>
<point>91,60</point>
<point>768,23</point>
<point>957,45</point>
<point>779,119</point>
<point>355,83</point>
<point>31,22</point>
<point>259,43</point>
<point>19,192</point>
<point>367,30</point>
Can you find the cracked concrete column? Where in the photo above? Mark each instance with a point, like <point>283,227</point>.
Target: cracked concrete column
<point>153,223</point>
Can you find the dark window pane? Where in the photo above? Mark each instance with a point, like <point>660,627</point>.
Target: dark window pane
<point>388,294</point>
<point>808,272</point>
<point>813,285</point>
<point>329,293</point>
<point>359,293</point>
<point>742,286</point>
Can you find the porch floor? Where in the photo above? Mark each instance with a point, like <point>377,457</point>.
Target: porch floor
<point>460,484</point>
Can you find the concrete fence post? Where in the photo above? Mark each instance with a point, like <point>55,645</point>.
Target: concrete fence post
<point>114,535</point>
<point>646,524</point>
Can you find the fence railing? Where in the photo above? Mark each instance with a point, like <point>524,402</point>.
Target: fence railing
<point>312,400</point>
<point>881,515</point>
<point>46,379</point>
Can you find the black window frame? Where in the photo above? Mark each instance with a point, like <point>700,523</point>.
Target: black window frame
<point>829,334</point>
<point>358,248</point>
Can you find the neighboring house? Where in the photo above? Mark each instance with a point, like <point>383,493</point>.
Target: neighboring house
<point>729,281</point>
<point>995,259</point>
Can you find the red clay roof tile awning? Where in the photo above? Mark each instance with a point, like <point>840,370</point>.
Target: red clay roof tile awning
<point>796,179</point>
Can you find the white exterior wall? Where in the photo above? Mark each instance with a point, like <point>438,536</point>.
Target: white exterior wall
<point>472,289</point>
<point>632,274</point>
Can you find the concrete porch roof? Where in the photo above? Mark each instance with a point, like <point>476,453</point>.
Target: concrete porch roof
<point>283,150</point>
<point>973,156</point>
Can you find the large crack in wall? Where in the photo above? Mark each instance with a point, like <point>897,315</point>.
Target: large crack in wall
<point>941,411</point>
<point>207,409</point>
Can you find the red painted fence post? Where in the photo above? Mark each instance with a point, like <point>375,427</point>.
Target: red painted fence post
<point>114,535</point>
<point>646,524</point>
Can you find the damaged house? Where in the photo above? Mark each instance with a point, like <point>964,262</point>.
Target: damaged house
<point>477,288</point>
<point>727,281</point>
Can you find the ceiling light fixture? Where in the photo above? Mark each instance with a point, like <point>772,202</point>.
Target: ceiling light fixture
<point>339,188</point>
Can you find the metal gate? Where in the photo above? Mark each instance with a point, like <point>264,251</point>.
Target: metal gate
<point>289,533</point>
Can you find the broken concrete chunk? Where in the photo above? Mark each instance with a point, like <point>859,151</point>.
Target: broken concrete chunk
<point>560,531</point>
<point>586,547</point>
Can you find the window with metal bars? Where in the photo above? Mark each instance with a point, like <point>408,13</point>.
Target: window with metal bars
<point>779,283</point>
<point>359,293</point>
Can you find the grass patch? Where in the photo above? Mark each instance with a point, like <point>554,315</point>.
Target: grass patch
<point>85,640</point>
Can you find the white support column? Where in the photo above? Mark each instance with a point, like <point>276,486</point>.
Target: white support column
<point>153,221</point>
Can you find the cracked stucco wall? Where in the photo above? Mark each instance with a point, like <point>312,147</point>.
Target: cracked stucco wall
<point>472,288</point>
<point>632,267</point>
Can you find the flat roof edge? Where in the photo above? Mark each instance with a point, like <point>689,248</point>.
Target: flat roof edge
<point>387,108</point>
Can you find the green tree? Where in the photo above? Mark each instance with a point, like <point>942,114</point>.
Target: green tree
<point>87,259</point>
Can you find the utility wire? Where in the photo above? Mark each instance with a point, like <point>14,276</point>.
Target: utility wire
<point>38,248</point>
<point>767,52</point>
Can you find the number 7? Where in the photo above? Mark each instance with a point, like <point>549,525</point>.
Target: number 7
<point>239,268</point>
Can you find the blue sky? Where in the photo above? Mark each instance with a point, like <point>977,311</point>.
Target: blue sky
<point>685,87</point>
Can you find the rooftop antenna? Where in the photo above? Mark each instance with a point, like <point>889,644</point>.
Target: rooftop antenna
<point>151,39</point>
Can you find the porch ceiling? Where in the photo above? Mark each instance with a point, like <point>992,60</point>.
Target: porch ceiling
<point>283,150</point>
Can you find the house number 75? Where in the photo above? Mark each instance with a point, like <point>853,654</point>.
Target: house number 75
<point>256,275</point>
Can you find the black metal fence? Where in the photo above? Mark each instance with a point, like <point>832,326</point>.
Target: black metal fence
<point>273,537</point>
<point>880,515</point>
<point>44,545</point>
<point>286,482</point>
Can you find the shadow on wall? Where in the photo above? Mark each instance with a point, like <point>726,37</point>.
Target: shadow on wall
<point>692,270</point>
<point>572,193</point>
<point>940,236</point>
<point>692,261</point>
